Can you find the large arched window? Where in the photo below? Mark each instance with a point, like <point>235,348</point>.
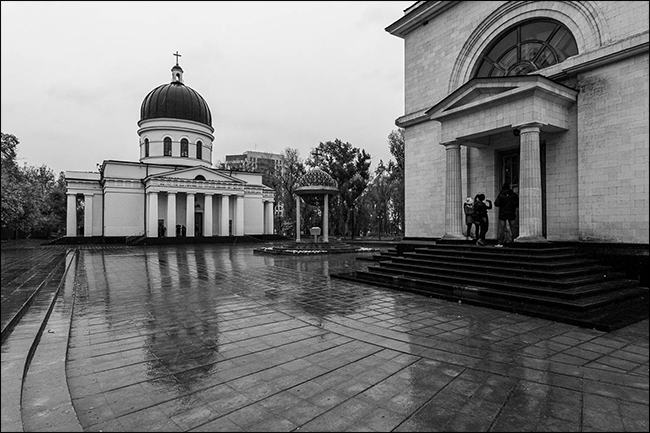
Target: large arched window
<point>167,146</point>
<point>199,150</point>
<point>525,48</point>
<point>184,148</point>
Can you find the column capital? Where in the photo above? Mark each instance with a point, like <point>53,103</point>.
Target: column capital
<point>529,127</point>
<point>451,144</point>
<point>88,194</point>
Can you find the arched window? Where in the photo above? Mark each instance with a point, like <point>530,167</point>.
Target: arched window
<point>199,177</point>
<point>146,147</point>
<point>184,148</point>
<point>199,150</point>
<point>525,48</point>
<point>167,146</point>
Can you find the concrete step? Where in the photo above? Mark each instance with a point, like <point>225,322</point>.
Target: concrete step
<point>598,312</point>
<point>578,297</point>
<point>21,285</point>
<point>21,339</point>
<point>552,282</point>
<point>505,253</point>
<point>489,267</point>
<point>53,410</point>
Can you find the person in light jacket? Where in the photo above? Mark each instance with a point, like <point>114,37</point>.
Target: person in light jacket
<point>468,208</point>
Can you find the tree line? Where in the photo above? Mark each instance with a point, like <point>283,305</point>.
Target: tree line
<point>33,198</point>
<point>367,204</point>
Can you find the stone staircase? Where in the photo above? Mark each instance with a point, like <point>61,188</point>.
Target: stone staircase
<point>34,343</point>
<point>551,282</point>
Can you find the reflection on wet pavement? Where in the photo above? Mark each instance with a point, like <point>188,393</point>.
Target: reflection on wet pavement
<point>213,337</point>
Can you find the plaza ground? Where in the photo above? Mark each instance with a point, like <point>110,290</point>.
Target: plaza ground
<point>218,338</point>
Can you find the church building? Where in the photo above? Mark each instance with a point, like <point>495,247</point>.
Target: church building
<point>550,97</point>
<point>173,189</point>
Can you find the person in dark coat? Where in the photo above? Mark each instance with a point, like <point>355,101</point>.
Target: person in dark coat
<point>508,203</point>
<point>481,213</point>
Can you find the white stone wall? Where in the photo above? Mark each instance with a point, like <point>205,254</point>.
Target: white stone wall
<point>124,213</point>
<point>253,215</point>
<point>613,147</point>
<point>157,129</point>
<point>98,202</point>
<point>424,181</point>
<point>562,182</point>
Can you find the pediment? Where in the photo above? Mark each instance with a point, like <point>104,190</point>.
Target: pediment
<point>480,93</point>
<point>192,173</point>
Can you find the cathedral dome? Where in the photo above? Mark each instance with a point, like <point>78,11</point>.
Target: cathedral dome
<point>176,101</point>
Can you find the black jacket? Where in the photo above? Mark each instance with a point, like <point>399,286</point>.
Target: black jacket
<point>508,202</point>
<point>481,210</point>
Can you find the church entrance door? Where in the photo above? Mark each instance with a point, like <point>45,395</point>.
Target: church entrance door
<point>198,224</point>
<point>509,172</point>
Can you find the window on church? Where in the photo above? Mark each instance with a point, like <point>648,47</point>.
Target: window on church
<point>199,150</point>
<point>146,147</point>
<point>525,48</point>
<point>184,148</point>
<point>167,143</point>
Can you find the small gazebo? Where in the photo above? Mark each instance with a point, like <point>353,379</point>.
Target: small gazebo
<point>311,187</point>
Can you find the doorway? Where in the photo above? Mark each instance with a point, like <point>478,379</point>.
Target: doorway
<point>509,172</point>
<point>198,224</point>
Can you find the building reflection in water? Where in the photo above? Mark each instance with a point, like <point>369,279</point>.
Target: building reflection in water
<point>172,335</point>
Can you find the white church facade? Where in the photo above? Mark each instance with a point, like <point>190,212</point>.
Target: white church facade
<point>549,97</point>
<point>172,190</point>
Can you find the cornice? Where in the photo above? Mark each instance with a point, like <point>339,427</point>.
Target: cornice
<point>417,16</point>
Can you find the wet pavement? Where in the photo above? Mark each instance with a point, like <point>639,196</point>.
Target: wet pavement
<point>218,338</point>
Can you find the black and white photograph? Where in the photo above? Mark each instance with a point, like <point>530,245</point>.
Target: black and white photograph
<point>325,216</point>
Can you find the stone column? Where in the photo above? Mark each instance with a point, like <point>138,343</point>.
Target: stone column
<point>71,220</point>
<point>207,215</point>
<point>454,220</point>
<point>268,217</point>
<point>297,218</point>
<point>171,214</point>
<point>88,215</point>
<point>326,220</point>
<point>152,227</point>
<point>225,215</point>
<point>530,185</point>
<point>239,216</point>
<point>189,215</point>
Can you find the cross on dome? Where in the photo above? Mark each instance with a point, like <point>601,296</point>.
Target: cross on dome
<point>177,56</point>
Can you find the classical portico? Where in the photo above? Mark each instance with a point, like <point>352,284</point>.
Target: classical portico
<point>477,114</point>
<point>204,202</point>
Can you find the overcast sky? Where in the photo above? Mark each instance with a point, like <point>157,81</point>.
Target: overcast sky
<point>275,74</point>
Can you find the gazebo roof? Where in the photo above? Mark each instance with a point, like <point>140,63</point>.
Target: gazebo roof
<point>316,181</point>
